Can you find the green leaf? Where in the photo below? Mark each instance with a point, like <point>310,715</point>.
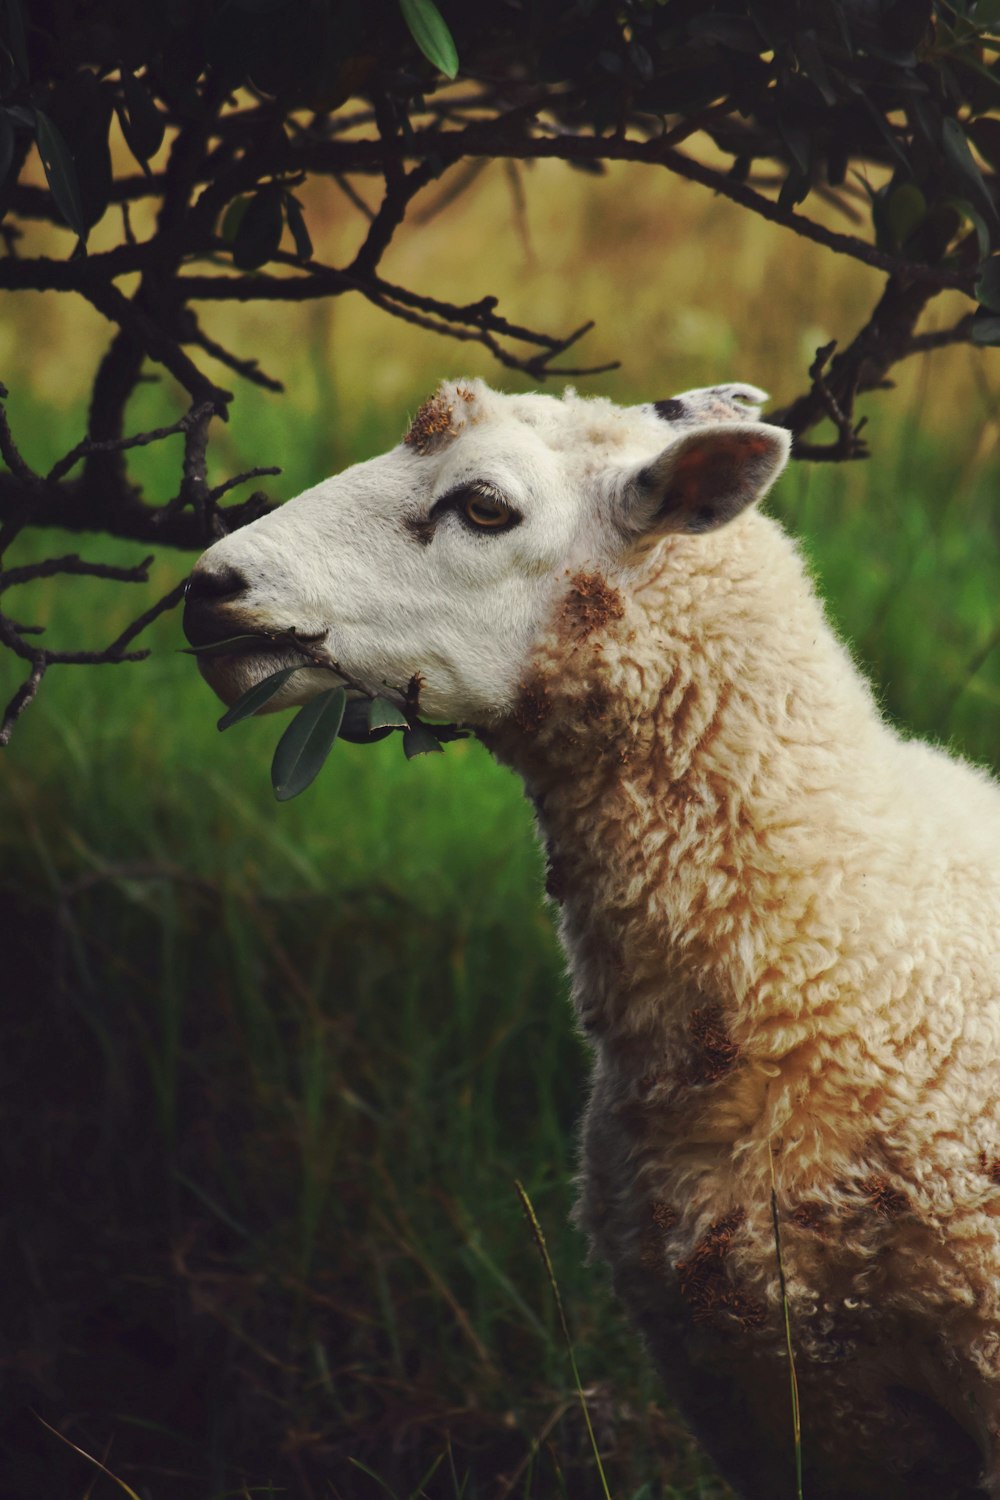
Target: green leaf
<point>218,648</point>
<point>903,213</point>
<point>141,121</point>
<point>975,218</point>
<point>233,218</point>
<point>254,698</point>
<point>961,159</point>
<point>306,743</point>
<point>16,37</point>
<point>429,30</point>
<point>355,728</point>
<point>60,173</point>
<point>420,739</point>
<point>297,224</point>
<point>986,328</point>
<point>382,714</point>
<point>259,234</point>
<point>988,285</point>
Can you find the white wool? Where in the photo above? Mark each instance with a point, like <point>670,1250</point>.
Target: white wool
<point>782,921</point>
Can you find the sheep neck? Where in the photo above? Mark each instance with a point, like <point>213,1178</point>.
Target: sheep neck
<point>689,764</point>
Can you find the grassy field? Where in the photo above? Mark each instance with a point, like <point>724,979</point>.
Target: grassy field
<point>274,1070</point>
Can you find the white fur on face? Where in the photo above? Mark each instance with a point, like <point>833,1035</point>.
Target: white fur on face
<point>379,568</point>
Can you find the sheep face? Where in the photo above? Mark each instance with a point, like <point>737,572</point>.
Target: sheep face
<point>443,559</point>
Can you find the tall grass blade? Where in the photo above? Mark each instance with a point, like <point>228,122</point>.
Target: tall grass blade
<point>372,1475</point>
<point>90,1458</point>
<point>543,1250</point>
<point>793,1380</point>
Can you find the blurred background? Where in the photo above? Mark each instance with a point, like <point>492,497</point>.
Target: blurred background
<point>274,1069</point>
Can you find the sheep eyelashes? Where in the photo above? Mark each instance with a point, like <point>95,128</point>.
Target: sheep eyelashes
<point>779,917</point>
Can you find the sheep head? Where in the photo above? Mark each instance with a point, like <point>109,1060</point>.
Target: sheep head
<point>441,561</point>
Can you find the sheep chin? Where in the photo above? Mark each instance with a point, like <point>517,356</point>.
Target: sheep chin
<point>234,673</point>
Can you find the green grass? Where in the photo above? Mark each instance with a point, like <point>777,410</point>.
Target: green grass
<point>275,1068</point>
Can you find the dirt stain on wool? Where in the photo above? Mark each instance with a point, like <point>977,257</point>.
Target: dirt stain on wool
<point>532,708</point>
<point>434,424</point>
<point>591,604</point>
<point>887,1201</point>
<point>705,1284</point>
<point>714,1053</point>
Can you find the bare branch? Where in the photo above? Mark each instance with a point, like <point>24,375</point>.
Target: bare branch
<point>52,566</point>
<point>862,366</point>
<point>248,474</point>
<point>154,342</point>
<point>924,343</point>
<point>9,450</point>
<point>170,600</point>
<point>249,369</point>
<point>24,695</point>
<point>117,445</point>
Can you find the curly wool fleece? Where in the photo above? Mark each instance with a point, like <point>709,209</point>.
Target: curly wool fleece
<point>782,921</point>
<point>783,930</point>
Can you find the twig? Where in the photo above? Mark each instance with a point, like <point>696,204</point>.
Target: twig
<point>89,445</point>
<point>353,196</point>
<point>24,695</point>
<point>862,366</point>
<point>75,565</point>
<point>9,450</point>
<point>169,600</point>
<point>153,341</point>
<point>230,484</point>
<point>249,369</point>
<point>923,343</point>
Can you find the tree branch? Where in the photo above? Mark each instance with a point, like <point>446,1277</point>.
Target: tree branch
<point>862,366</point>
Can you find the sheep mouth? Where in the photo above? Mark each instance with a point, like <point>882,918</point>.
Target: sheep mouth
<point>237,663</point>
<point>262,643</point>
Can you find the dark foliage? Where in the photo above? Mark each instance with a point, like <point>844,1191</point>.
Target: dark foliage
<point>228,106</point>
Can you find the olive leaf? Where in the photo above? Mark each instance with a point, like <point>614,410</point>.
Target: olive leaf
<point>254,698</point>
<point>60,173</point>
<point>306,743</point>
<point>260,228</point>
<point>429,30</point>
<point>420,739</point>
<point>382,714</point>
<point>142,124</point>
<point>988,285</point>
<point>356,729</point>
<point>219,648</point>
<point>986,327</point>
<point>297,224</point>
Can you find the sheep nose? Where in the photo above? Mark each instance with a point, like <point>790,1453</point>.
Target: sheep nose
<point>206,585</point>
<point>207,589</point>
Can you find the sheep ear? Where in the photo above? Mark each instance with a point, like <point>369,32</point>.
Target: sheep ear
<point>705,478</point>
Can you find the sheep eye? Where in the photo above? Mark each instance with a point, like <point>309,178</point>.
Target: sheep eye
<point>485,511</point>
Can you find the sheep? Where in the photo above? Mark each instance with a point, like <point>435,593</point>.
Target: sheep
<point>780,917</point>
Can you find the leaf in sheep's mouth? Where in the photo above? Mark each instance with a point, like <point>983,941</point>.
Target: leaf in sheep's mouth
<point>245,644</point>
<point>347,712</point>
<point>228,646</point>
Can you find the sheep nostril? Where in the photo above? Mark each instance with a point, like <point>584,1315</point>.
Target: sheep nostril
<point>209,591</point>
<point>205,587</point>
